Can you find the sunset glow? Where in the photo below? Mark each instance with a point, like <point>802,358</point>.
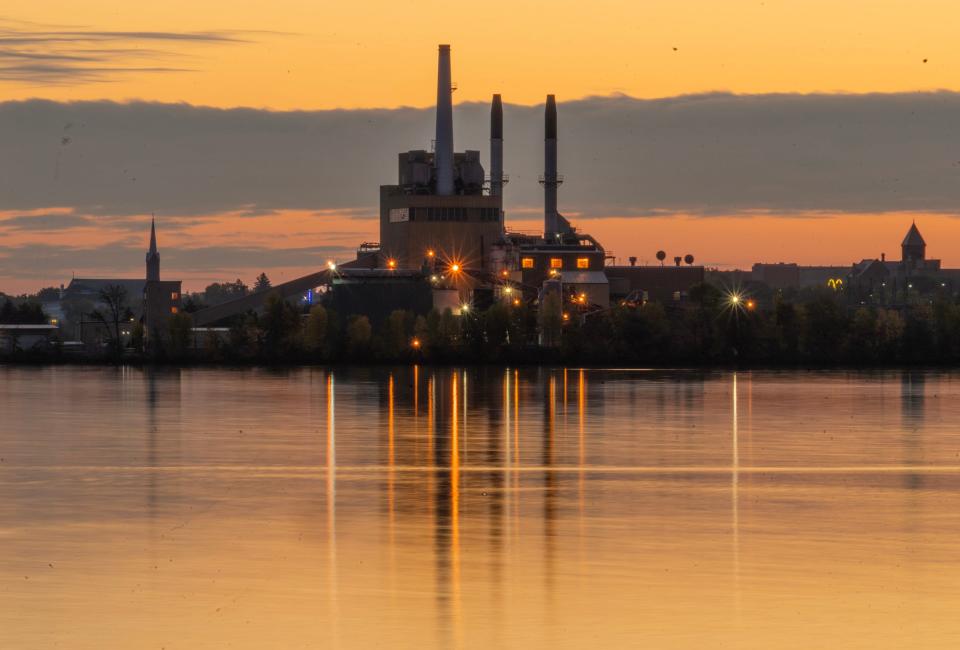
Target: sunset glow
<point>303,55</point>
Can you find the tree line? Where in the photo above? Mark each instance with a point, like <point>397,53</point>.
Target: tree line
<point>816,327</point>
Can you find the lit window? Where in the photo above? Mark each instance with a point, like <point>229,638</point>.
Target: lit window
<point>174,296</point>
<point>583,262</point>
<point>174,310</point>
<point>527,262</point>
<point>556,263</point>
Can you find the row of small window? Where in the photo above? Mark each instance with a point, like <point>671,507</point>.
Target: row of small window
<point>555,263</point>
<point>452,214</point>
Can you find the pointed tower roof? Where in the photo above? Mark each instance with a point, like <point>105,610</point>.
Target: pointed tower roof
<point>153,257</point>
<point>913,238</point>
<point>153,236</point>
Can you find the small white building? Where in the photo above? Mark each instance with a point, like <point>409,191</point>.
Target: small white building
<point>15,337</point>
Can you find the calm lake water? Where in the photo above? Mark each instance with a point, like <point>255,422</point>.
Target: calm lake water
<point>478,508</point>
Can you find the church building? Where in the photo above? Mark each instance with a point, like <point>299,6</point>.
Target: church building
<point>161,298</point>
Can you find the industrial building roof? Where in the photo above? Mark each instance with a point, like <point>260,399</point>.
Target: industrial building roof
<point>28,326</point>
<point>584,277</point>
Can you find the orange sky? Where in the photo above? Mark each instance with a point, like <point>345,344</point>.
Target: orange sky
<point>726,242</point>
<point>299,54</point>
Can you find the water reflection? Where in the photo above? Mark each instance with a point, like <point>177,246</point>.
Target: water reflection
<point>332,580</point>
<point>912,398</point>
<point>440,507</point>
<point>735,491</point>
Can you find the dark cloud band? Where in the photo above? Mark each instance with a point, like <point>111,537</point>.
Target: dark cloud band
<point>702,155</point>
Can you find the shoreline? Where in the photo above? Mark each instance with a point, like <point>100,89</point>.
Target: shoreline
<point>559,363</point>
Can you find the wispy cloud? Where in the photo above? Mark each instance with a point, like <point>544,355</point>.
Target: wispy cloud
<point>52,222</point>
<point>51,55</point>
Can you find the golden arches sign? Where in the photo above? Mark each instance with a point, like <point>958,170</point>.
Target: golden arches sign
<point>835,283</point>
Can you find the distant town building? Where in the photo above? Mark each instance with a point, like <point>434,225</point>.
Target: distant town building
<point>149,301</point>
<point>867,274</point>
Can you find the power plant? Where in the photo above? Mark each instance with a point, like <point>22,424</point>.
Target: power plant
<point>443,232</point>
<point>445,215</point>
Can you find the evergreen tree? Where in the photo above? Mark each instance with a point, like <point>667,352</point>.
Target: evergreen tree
<point>262,283</point>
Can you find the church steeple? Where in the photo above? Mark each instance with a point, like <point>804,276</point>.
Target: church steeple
<point>153,257</point>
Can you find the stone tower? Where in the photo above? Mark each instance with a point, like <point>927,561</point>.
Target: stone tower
<point>913,247</point>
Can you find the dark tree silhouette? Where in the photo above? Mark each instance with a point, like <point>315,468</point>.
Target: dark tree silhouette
<point>220,292</point>
<point>114,311</point>
<point>262,283</point>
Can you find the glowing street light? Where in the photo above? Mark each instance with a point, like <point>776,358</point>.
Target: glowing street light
<point>391,264</point>
<point>751,304</point>
<point>464,308</point>
<point>431,253</point>
<point>331,265</point>
<point>516,302</point>
<point>415,344</point>
<point>508,290</point>
<point>455,267</point>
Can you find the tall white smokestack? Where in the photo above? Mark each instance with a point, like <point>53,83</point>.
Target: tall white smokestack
<point>551,223</point>
<point>443,147</point>
<point>496,146</point>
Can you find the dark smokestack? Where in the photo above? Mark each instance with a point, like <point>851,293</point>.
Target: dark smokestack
<point>496,146</point>
<point>550,179</point>
<point>496,118</point>
<point>443,146</point>
<point>550,124</point>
